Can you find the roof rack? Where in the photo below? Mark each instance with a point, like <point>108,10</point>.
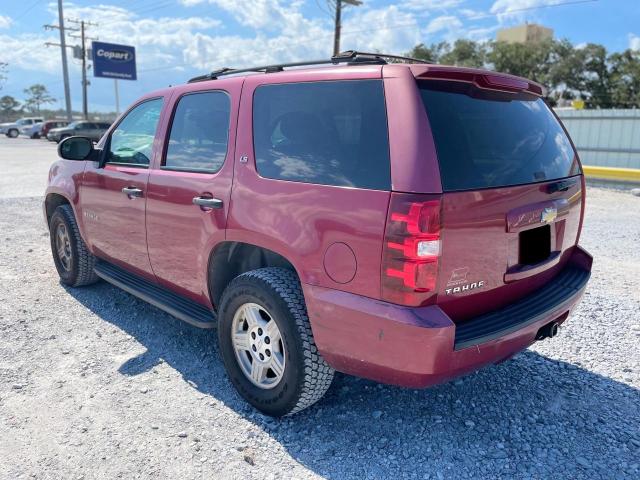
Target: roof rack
<point>350,57</point>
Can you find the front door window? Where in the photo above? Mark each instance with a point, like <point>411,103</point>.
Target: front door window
<point>131,142</point>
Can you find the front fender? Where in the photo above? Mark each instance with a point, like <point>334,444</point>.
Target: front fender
<point>65,178</point>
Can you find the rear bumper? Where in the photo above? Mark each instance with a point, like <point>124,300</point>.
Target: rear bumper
<point>418,347</point>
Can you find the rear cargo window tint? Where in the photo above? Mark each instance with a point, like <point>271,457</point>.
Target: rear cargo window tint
<point>488,139</point>
<point>199,132</point>
<point>329,133</point>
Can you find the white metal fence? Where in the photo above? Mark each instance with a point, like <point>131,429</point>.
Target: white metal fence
<point>608,138</point>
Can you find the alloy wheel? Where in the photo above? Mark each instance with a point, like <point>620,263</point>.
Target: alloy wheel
<point>63,246</point>
<point>258,345</point>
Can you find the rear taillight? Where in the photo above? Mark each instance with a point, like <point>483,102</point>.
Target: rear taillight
<point>411,249</point>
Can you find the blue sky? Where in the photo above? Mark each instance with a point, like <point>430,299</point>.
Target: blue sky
<point>177,39</point>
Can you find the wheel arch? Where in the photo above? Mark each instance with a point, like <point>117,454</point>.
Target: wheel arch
<point>232,258</point>
<point>54,200</point>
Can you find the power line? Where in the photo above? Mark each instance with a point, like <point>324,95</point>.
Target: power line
<point>29,8</point>
<point>526,9</point>
<point>478,17</point>
<point>145,10</point>
<point>370,28</point>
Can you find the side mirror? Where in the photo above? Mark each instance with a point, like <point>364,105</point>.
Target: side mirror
<point>76,148</point>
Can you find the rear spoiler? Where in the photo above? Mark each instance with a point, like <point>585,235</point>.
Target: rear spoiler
<point>480,78</point>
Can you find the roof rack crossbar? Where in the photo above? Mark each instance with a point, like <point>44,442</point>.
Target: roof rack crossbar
<point>349,57</point>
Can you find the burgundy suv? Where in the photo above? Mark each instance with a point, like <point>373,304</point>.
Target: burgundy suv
<point>402,222</point>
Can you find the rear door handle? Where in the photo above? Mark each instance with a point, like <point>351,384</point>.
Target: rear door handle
<point>132,192</point>
<point>207,202</point>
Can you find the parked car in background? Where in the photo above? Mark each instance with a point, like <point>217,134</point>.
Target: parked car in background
<point>82,128</point>
<point>407,223</point>
<point>31,131</point>
<point>12,129</point>
<point>48,125</point>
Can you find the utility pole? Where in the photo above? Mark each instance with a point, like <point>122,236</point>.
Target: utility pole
<point>338,24</point>
<point>85,82</point>
<point>63,49</point>
<point>115,84</point>
<point>85,108</point>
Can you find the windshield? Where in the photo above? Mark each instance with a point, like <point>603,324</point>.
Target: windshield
<point>492,139</point>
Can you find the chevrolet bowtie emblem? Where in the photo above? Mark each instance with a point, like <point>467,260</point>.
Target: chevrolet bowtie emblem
<point>548,215</point>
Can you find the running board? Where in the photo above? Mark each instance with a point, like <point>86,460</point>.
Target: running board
<point>172,303</point>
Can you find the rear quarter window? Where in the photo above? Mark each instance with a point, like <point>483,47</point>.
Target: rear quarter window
<point>491,139</point>
<point>329,133</point>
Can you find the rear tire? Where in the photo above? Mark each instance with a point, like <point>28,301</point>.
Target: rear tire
<point>73,260</point>
<point>301,377</point>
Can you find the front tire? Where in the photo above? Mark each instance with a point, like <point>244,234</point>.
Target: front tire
<point>267,345</point>
<point>73,260</point>
<point>13,133</point>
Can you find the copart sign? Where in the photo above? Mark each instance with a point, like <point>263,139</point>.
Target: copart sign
<point>111,60</point>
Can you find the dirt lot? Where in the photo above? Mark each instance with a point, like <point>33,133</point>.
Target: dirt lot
<point>96,384</point>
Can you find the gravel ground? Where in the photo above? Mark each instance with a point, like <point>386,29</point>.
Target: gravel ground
<point>97,384</point>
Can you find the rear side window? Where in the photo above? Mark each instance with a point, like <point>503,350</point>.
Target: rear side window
<point>490,139</point>
<point>328,133</point>
<point>199,132</point>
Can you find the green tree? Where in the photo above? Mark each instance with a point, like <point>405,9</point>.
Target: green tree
<point>603,80</point>
<point>431,53</point>
<point>566,75</point>
<point>529,60</point>
<point>9,106</point>
<point>597,78</point>
<point>37,95</point>
<point>624,79</point>
<point>465,53</point>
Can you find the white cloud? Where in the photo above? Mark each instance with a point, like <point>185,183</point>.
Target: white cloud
<point>160,42</point>
<point>28,52</point>
<point>5,22</point>
<point>200,43</point>
<point>482,34</point>
<point>388,30</point>
<point>471,13</point>
<point>634,42</point>
<point>449,26</point>
<point>260,14</point>
<point>518,9</point>
<point>430,4</point>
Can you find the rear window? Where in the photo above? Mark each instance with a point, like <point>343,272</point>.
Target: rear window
<point>491,139</point>
<point>328,133</point>
<point>199,132</point>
